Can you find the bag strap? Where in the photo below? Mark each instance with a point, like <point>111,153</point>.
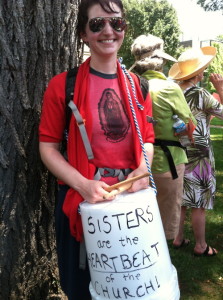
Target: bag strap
<point>69,90</point>
<point>164,146</point>
<point>82,128</point>
<point>71,107</point>
<point>69,93</point>
<point>158,142</point>
<point>144,84</point>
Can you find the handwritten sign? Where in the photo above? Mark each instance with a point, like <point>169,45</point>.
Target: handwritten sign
<point>126,249</point>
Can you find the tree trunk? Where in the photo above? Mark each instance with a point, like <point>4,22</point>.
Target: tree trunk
<point>37,41</point>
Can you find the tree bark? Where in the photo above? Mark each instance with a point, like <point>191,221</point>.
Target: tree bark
<point>37,41</point>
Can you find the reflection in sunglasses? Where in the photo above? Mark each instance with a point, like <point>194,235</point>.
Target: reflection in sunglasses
<point>117,23</point>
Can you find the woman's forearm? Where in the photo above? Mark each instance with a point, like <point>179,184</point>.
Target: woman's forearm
<point>217,81</point>
<point>91,190</point>
<point>59,167</point>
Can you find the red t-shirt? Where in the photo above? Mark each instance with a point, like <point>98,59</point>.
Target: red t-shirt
<point>112,141</point>
<point>111,134</point>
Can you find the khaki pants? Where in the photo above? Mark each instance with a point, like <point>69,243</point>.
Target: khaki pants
<point>169,197</point>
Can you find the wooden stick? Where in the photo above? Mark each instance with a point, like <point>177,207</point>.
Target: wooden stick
<point>122,186</point>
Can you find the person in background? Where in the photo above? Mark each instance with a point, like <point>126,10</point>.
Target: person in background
<point>169,155</point>
<point>102,95</point>
<point>217,81</point>
<point>199,179</point>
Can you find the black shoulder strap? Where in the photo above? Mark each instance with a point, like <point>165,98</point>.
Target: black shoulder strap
<point>144,83</point>
<point>69,93</point>
<point>163,144</point>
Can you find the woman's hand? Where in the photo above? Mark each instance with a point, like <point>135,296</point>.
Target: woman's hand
<point>217,81</point>
<point>142,183</point>
<point>138,184</point>
<point>188,131</point>
<point>93,191</point>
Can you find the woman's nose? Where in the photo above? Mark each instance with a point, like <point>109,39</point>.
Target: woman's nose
<point>107,29</point>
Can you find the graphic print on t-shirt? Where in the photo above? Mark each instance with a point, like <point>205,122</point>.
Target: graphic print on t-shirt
<point>113,117</point>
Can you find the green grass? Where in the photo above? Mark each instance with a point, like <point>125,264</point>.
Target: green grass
<point>201,278</point>
<point>216,121</point>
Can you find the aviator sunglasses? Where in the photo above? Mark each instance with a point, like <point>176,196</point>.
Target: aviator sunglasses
<point>116,23</point>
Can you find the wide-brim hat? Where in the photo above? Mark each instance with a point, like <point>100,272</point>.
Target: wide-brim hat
<point>192,62</point>
<point>149,46</point>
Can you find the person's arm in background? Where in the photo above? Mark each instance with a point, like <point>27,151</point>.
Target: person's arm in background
<point>183,111</point>
<point>217,81</point>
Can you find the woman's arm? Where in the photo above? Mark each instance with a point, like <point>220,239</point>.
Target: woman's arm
<point>217,81</point>
<point>91,190</point>
<point>144,182</point>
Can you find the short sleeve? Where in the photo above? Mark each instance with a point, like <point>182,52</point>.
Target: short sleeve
<point>52,120</point>
<point>211,105</point>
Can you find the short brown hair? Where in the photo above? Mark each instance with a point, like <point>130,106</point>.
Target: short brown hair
<point>84,6</point>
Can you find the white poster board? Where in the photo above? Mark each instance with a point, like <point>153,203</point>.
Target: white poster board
<point>127,251</point>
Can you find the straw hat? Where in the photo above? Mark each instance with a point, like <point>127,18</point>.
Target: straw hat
<point>192,62</point>
<point>148,47</point>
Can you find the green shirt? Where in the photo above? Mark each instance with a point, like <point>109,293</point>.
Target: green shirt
<point>168,100</point>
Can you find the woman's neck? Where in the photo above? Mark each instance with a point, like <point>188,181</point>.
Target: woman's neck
<point>106,66</point>
<point>188,83</point>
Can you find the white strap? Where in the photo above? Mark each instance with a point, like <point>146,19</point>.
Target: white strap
<point>82,129</point>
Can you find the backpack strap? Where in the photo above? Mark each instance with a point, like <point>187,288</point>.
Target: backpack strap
<point>164,146</point>
<point>69,93</point>
<point>82,128</point>
<point>144,84</point>
<point>71,107</point>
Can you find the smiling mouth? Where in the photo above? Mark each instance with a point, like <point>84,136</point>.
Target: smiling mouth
<point>107,41</point>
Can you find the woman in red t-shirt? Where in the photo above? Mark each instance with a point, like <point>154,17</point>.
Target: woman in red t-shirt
<point>101,25</point>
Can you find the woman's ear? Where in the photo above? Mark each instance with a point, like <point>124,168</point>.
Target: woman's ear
<point>84,37</point>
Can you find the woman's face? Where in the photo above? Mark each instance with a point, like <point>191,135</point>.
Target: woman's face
<point>200,76</point>
<point>106,42</point>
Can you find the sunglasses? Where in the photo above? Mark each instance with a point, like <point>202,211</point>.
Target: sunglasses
<point>116,23</point>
